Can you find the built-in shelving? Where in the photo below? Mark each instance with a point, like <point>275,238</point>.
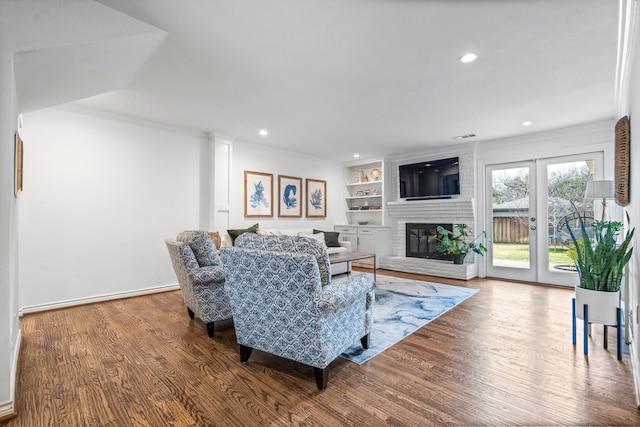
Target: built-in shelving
<point>364,198</point>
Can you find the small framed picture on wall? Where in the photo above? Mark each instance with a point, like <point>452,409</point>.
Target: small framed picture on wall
<point>316,193</point>
<point>258,194</point>
<point>19,164</point>
<point>289,196</point>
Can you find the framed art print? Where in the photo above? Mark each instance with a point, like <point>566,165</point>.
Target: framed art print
<point>19,160</point>
<point>289,196</point>
<point>258,194</point>
<point>316,198</point>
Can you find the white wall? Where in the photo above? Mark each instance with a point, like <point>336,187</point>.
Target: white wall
<point>9,332</point>
<point>629,104</point>
<point>100,197</point>
<point>258,158</point>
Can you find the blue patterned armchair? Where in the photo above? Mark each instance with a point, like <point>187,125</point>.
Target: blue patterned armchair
<point>284,301</point>
<point>201,276</point>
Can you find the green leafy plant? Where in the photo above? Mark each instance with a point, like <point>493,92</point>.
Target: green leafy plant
<point>600,263</point>
<point>458,241</point>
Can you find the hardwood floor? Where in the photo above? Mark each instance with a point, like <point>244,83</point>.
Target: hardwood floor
<point>502,357</point>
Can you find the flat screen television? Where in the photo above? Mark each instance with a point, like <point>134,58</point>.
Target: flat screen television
<point>430,180</point>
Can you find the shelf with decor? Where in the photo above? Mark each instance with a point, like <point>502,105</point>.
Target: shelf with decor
<point>364,192</point>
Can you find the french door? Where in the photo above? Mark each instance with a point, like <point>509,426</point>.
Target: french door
<point>528,205</point>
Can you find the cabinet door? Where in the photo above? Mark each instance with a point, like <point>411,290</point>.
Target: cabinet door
<point>366,244</point>
<point>351,238</point>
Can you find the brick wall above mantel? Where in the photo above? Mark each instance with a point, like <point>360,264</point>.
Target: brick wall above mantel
<point>456,211</point>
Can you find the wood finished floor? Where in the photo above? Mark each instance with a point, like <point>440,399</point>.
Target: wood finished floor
<point>502,357</point>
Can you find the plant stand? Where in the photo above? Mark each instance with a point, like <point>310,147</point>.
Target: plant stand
<point>586,328</point>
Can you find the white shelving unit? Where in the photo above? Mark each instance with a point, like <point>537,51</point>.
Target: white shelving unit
<point>364,193</point>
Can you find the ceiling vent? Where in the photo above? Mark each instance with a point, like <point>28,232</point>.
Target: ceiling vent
<point>463,137</point>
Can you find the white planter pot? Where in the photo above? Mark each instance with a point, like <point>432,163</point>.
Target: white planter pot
<point>602,305</point>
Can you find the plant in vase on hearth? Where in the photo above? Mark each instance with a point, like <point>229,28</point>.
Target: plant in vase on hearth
<point>460,242</point>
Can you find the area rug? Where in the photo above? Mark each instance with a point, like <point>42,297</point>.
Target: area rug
<point>402,307</point>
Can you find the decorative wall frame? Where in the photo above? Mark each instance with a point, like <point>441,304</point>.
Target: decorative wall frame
<point>316,198</point>
<point>289,196</point>
<point>19,162</point>
<point>258,194</point>
<point>623,161</point>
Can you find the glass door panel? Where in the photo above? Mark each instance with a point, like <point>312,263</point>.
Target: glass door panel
<point>564,181</point>
<point>512,218</point>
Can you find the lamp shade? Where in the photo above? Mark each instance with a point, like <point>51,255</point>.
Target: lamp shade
<point>599,190</point>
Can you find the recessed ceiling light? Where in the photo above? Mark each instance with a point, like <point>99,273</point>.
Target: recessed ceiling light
<point>527,123</point>
<point>468,57</point>
<point>263,132</point>
<point>356,155</point>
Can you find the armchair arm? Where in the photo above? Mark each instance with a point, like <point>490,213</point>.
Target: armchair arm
<point>345,244</point>
<point>204,275</point>
<point>341,293</point>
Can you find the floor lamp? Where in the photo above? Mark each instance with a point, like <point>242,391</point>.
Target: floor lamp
<point>599,190</point>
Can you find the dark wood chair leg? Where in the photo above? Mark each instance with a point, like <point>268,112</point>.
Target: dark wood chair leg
<point>245,353</point>
<point>365,341</point>
<point>210,329</point>
<point>322,376</point>
<point>191,314</point>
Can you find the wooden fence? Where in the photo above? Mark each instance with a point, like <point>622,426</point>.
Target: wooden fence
<point>511,230</point>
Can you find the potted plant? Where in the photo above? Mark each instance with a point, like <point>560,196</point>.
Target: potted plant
<point>600,265</point>
<point>458,243</point>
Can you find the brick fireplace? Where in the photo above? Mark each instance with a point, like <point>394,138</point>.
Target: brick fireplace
<point>452,211</point>
<point>421,240</point>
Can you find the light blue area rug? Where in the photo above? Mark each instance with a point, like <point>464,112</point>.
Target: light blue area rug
<point>402,307</point>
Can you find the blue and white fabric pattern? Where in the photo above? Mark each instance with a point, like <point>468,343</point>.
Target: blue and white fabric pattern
<point>280,306</point>
<point>203,247</point>
<point>202,287</point>
<point>285,243</point>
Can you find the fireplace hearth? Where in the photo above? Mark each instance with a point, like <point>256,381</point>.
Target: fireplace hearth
<point>417,241</point>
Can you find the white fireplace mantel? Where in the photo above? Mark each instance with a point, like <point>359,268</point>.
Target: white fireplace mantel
<point>452,211</point>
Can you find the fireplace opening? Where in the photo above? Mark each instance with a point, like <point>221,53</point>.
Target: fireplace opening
<point>417,241</point>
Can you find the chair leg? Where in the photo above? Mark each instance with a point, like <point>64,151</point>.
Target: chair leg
<point>210,329</point>
<point>245,353</point>
<point>365,341</point>
<point>191,313</point>
<point>322,376</point>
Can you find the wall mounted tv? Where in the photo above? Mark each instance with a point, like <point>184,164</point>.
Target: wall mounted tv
<point>430,180</point>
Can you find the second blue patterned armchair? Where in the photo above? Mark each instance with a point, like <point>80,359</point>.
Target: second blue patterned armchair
<point>201,276</point>
<point>284,301</point>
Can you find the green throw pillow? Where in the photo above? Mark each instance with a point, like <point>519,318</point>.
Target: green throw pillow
<point>330,238</point>
<point>235,233</point>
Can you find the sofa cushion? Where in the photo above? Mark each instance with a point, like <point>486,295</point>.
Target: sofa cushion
<point>234,233</point>
<point>316,236</point>
<point>330,238</point>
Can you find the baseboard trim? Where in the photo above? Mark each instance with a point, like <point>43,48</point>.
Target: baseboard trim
<point>8,409</point>
<point>89,300</point>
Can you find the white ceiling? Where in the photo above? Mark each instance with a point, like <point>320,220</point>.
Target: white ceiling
<point>334,77</point>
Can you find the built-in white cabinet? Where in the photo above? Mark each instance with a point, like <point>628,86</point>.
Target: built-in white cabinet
<point>369,239</point>
<point>364,193</point>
